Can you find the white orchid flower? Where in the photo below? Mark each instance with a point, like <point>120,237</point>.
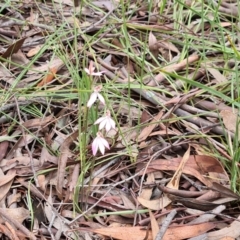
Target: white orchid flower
<point>96,95</point>
<point>99,143</point>
<point>106,122</point>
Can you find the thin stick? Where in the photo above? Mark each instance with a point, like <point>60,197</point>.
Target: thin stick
<point>165,225</point>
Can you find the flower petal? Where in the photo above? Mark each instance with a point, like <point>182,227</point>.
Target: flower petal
<point>95,145</point>
<point>92,99</point>
<point>99,143</point>
<point>91,69</point>
<point>98,73</point>
<point>108,124</point>
<point>87,71</point>
<point>101,146</point>
<point>103,123</point>
<point>99,120</point>
<point>101,98</point>
<point>105,143</point>
<point>113,124</point>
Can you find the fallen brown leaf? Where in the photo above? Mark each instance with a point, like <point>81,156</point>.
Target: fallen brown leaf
<point>3,149</point>
<point>196,166</point>
<point>174,183</point>
<point>19,214</point>
<point>147,192</point>
<point>154,225</point>
<point>13,48</point>
<point>49,77</point>
<point>156,204</point>
<point>230,120</point>
<point>32,52</point>
<point>175,233</point>
<point>231,231</point>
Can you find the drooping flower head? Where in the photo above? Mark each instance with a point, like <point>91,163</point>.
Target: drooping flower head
<point>96,95</point>
<point>99,143</point>
<point>90,70</point>
<point>106,122</point>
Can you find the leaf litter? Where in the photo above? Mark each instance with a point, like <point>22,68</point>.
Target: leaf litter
<point>172,170</point>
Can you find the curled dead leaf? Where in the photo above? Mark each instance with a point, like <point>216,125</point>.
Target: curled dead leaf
<point>156,204</point>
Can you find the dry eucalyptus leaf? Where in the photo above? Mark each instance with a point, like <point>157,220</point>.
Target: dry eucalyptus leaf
<point>19,214</point>
<point>230,121</point>
<point>169,46</point>
<point>175,232</point>
<point>151,40</point>
<point>207,163</point>
<point>174,183</point>
<point>34,51</point>
<point>154,225</point>
<point>147,192</point>
<point>13,48</point>
<point>217,75</point>
<point>156,204</point>
<point>4,188</point>
<point>231,231</point>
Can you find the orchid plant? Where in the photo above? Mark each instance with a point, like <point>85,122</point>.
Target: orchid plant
<point>99,143</point>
